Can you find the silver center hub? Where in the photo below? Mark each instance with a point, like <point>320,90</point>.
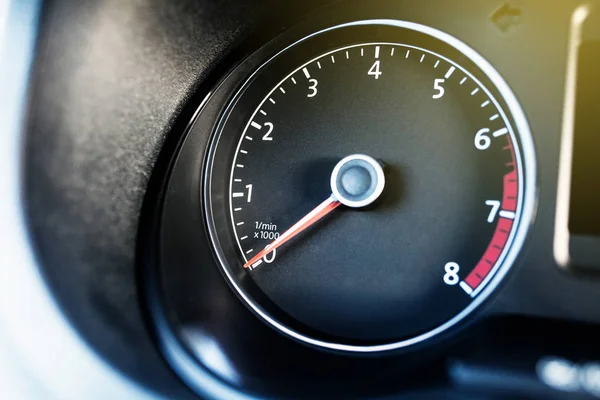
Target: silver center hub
<point>357,180</point>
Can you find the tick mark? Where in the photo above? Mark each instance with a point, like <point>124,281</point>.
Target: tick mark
<point>347,55</point>
<point>282,91</point>
<point>485,103</point>
<point>244,238</point>
<point>436,64</point>
<point>243,152</point>
<point>271,100</point>
<point>466,287</point>
<point>507,214</point>
<point>248,137</point>
<point>422,58</point>
<point>255,125</point>
<point>494,117</point>
<point>463,80</point>
<point>239,165</point>
<point>306,73</point>
<point>319,64</point>
<point>376,51</point>
<point>332,60</point>
<point>474,91</point>
<point>293,80</point>
<point>500,132</point>
<point>450,72</point>
<point>262,112</point>
<point>407,53</point>
<point>392,52</point>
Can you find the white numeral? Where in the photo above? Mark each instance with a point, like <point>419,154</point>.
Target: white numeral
<point>375,70</point>
<point>495,204</point>
<point>249,196</point>
<point>272,254</point>
<point>269,130</point>
<point>313,83</point>
<point>482,141</point>
<point>451,275</point>
<point>437,85</point>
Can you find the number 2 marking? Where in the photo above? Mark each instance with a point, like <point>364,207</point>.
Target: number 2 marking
<point>269,130</point>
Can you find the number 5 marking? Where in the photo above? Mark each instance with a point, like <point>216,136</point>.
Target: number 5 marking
<point>437,85</point>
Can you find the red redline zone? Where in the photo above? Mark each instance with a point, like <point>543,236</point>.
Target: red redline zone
<point>503,229</point>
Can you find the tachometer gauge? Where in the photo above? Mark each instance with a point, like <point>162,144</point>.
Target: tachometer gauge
<point>369,186</point>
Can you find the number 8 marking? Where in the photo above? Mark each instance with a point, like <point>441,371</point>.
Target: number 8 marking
<point>451,275</point>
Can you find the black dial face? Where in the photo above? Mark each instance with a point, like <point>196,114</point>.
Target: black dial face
<point>432,167</point>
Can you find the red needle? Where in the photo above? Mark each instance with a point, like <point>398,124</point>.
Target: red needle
<point>319,212</point>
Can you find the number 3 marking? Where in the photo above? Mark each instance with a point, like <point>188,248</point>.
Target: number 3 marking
<point>313,87</point>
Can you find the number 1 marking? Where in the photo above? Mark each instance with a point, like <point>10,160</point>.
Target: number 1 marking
<point>249,187</point>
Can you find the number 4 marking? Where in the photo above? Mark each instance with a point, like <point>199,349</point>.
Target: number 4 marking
<point>375,70</point>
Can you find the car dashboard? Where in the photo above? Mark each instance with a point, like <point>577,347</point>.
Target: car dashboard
<point>318,199</point>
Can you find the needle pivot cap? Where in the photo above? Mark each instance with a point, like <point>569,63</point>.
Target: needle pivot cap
<point>357,180</point>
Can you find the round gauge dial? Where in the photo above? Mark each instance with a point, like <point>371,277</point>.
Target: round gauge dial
<point>369,186</point>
